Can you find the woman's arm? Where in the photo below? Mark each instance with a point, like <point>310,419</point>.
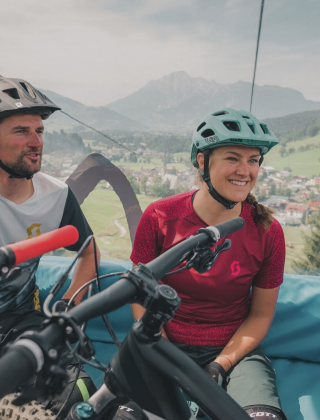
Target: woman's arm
<point>254,328</point>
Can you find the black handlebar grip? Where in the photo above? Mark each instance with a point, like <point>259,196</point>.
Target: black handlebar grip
<point>228,227</point>
<point>17,366</point>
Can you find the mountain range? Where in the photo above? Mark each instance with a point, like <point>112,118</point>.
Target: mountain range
<point>178,102</point>
<point>101,118</point>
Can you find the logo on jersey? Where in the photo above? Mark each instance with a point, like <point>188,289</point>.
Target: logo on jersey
<point>34,230</point>
<point>235,268</point>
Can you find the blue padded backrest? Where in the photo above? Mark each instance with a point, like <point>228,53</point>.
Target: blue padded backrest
<point>51,268</point>
<point>295,331</point>
<point>294,334</point>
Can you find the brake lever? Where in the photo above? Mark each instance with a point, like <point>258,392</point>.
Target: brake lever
<point>202,258</point>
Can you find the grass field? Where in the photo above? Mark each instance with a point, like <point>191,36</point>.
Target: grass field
<point>103,207</point>
<point>302,163</point>
<point>294,236</point>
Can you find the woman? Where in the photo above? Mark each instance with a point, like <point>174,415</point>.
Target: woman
<point>226,312</point>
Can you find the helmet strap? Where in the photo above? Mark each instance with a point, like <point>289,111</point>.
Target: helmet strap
<point>212,191</point>
<point>13,174</point>
<point>261,160</point>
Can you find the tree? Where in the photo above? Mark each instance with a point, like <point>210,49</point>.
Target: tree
<point>144,187</point>
<point>313,130</point>
<point>310,262</point>
<point>264,175</point>
<point>272,190</point>
<point>134,184</point>
<point>288,192</point>
<point>283,151</point>
<point>161,189</point>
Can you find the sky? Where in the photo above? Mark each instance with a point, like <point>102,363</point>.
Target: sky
<point>99,51</point>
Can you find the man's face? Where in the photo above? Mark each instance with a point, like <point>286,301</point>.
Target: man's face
<point>21,143</point>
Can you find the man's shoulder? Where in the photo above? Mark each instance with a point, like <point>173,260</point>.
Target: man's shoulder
<point>45,185</point>
<point>49,181</point>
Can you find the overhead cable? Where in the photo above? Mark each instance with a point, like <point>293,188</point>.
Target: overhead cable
<point>257,50</point>
<point>114,141</point>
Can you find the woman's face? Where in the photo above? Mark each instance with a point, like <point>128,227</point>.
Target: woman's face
<point>233,170</point>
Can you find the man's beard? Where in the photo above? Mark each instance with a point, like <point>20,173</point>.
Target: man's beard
<point>21,167</point>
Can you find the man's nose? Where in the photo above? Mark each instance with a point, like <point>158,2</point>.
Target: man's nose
<point>35,139</point>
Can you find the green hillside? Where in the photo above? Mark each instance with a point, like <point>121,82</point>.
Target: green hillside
<point>305,163</point>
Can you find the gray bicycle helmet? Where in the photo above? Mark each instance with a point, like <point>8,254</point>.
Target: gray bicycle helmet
<point>229,127</point>
<point>19,97</point>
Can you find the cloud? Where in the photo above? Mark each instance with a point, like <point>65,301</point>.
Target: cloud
<point>99,51</point>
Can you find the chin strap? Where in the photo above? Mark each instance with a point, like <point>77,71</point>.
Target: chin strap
<point>212,191</point>
<point>13,174</point>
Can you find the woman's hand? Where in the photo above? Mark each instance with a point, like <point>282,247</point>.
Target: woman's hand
<point>216,372</point>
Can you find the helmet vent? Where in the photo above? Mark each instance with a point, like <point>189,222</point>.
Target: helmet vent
<point>13,93</point>
<point>264,128</point>
<point>217,114</point>
<point>207,133</point>
<point>244,116</point>
<point>251,127</point>
<point>200,126</point>
<point>28,90</point>
<point>231,125</point>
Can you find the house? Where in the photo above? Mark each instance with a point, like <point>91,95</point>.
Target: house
<point>295,210</point>
<point>315,204</point>
<point>269,169</point>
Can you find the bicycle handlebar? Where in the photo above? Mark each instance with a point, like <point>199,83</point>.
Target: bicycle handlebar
<point>20,362</point>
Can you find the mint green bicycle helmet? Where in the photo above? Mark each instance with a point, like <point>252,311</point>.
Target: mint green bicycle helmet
<point>229,127</point>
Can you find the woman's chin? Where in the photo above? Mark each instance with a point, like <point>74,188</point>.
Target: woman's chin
<point>236,197</point>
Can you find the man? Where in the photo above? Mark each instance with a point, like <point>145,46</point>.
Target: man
<point>31,203</point>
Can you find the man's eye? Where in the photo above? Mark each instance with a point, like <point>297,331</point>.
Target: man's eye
<point>233,159</point>
<point>253,160</point>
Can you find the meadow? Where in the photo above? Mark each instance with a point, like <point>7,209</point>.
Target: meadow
<point>305,163</point>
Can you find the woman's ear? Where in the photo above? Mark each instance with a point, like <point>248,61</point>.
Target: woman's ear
<point>200,160</point>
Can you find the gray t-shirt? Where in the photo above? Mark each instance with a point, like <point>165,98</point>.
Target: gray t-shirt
<point>52,205</point>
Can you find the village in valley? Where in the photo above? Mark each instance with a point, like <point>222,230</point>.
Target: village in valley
<point>293,198</point>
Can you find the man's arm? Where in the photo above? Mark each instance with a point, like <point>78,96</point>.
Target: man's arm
<point>85,270</point>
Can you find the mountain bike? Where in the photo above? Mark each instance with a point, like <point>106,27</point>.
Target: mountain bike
<point>147,368</point>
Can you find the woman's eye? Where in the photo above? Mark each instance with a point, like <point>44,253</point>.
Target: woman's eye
<point>253,160</point>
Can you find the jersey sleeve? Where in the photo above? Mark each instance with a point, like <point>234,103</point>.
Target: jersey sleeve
<point>146,247</point>
<point>271,272</point>
<point>72,215</point>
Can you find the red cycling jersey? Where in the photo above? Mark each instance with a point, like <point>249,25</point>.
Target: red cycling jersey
<point>215,303</point>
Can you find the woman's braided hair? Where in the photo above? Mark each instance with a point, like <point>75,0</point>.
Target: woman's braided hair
<point>263,215</point>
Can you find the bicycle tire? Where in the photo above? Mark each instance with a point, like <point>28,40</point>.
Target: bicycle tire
<point>33,410</point>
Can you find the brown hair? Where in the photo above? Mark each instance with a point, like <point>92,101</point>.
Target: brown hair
<point>263,215</point>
